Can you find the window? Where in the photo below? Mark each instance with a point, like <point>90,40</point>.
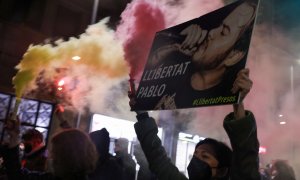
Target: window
<point>32,113</point>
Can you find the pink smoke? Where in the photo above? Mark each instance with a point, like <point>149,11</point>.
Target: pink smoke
<point>140,21</point>
<point>183,11</point>
<point>269,69</point>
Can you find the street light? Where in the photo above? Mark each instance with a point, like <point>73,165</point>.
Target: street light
<point>282,122</point>
<point>292,81</point>
<point>76,58</point>
<point>95,11</point>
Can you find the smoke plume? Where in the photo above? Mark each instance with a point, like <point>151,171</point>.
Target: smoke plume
<point>140,21</point>
<point>101,66</point>
<point>99,78</point>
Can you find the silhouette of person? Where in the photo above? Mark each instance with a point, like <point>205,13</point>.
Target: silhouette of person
<point>125,159</point>
<point>107,167</point>
<point>35,152</point>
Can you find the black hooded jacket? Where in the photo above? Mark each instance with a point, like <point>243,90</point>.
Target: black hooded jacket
<point>242,134</point>
<point>107,167</point>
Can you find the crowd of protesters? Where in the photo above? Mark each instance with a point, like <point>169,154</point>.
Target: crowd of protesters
<point>75,155</point>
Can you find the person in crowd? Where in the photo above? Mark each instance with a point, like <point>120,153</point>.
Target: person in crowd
<point>35,151</point>
<point>144,172</point>
<point>282,170</point>
<point>107,166</point>
<point>211,159</point>
<point>266,172</point>
<point>72,156</point>
<point>124,159</point>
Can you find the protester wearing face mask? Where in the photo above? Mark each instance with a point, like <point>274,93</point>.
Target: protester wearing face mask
<point>35,152</point>
<point>212,159</point>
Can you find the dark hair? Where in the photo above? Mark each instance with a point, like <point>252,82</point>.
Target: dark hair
<point>32,134</point>
<point>284,170</point>
<point>73,153</point>
<point>222,151</point>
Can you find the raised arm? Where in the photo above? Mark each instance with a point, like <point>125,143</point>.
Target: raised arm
<point>242,84</point>
<point>159,163</point>
<point>242,131</point>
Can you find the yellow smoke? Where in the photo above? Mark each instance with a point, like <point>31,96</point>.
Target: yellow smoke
<point>36,58</point>
<point>101,55</point>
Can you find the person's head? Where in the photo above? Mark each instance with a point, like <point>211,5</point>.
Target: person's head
<point>211,159</point>
<point>32,139</point>
<point>219,45</point>
<point>281,170</point>
<point>73,154</point>
<point>101,140</point>
<point>121,145</point>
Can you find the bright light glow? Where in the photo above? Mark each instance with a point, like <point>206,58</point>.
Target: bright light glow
<point>189,137</point>
<point>262,150</point>
<point>282,123</point>
<point>22,146</point>
<point>280,115</point>
<point>76,58</point>
<point>116,127</point>
<point>59,88</point>
<point>196,138</point>
<point>184,135</point>
<point>61,82</point>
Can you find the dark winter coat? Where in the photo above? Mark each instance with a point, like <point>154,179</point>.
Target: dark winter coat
<point>15,172</point>
<point>128,165</point>
<point>36,161</point>
<point>107,167</point>
<point>242,134</point>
